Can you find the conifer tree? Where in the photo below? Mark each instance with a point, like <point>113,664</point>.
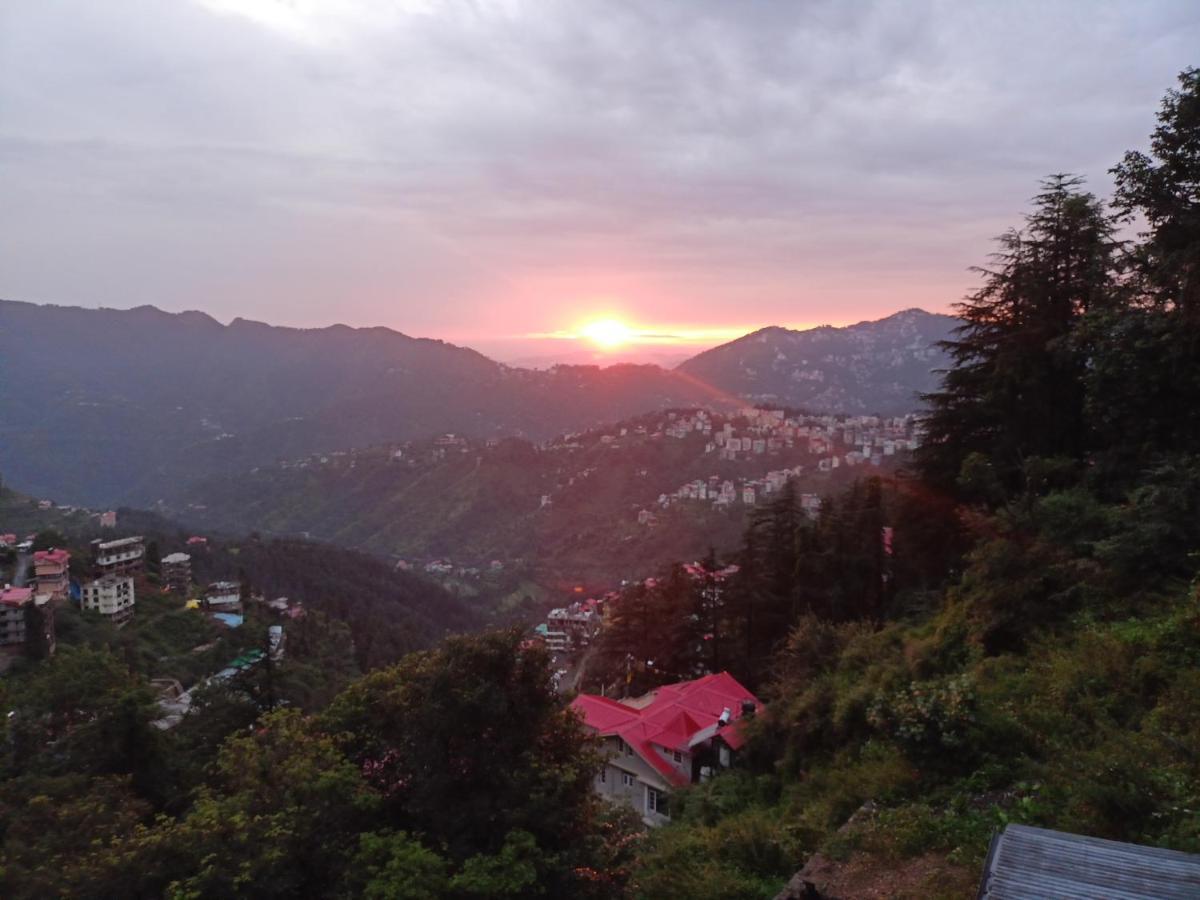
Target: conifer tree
<point>1143,382</point>
<point>1016,386</point>
<point>1164,189</point>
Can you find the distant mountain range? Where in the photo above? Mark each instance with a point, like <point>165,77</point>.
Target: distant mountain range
<point>869,367</point>
<point>123,406</point>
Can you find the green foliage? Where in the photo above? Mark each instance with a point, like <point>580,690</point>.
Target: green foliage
<point>469,743</point>
<point>48,539</point>
<point>932,719</point>
<point>1016,387</point>
<point>510,872</point>
<point>747,854</point>
<point>59,831</point>
<point>395,866</point>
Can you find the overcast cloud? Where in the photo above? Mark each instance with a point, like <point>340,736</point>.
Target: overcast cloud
<point>470,170</point>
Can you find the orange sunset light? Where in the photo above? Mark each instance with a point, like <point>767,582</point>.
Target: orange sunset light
<point>608,334</point>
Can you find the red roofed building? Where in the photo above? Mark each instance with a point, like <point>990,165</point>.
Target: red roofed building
<point>671,737</point>
<point>15,607</point>
<point>51,570</point>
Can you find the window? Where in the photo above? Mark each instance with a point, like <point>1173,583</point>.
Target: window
<point>678,757</point>
<point>656,802</point>
<point>627,748</point>
<point>604,775</point>
<point>627,779</point>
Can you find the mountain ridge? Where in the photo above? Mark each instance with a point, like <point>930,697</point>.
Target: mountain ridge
<point>870,366</point>
<point>148,399</point>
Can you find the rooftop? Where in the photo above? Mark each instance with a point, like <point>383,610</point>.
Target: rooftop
<point>671,717</point>
<point>1038,864</point>
<point>117,543</point>
<point>15,596</point>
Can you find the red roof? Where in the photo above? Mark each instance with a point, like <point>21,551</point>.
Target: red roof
<point>61,557</point>
<point>675,715</point>
<point>15,596</point>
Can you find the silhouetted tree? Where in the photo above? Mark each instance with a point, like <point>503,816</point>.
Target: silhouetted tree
<point>1016,386</point>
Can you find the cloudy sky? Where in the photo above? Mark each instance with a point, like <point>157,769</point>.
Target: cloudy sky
<point>485,172</point>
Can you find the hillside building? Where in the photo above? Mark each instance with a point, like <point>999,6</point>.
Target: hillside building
<point>177,572</point>
<point>51,572</point>
<point>123,556</point>
<point>676,735</point>
<point>572,627</point>
<point>223,596</point>
<point>112,596</point>
<point>16,614</point>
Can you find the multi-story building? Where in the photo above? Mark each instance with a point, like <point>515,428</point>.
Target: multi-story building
<point>674,736</point>
<point>110,595</point>
<point>223,596</point>
<point>124,556</point>
<point>177,572</point>
<point>572,627</point>
<point>51,572</point>
<point>16,613</point>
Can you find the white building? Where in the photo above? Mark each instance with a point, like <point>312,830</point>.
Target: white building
<point>110,595</point>
<point>223,595</point>
<point>676,735</point>
<point>118,557</point>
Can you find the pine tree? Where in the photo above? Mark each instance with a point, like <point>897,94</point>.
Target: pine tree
<point>1016,387</point>
<point>1143,380</point>
<point>1164,189</point>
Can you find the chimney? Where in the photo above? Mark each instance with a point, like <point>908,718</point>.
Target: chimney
<point>725,716</point>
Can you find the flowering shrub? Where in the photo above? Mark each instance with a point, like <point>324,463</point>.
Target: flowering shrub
<point>928,716</point>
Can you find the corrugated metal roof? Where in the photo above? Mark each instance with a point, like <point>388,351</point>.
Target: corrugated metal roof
<point>1027,863</point>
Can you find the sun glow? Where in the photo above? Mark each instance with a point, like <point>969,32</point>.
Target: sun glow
<point>608,334</point>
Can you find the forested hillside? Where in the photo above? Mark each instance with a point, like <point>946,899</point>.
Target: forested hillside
<point>1010,632</point>
<point>564,512</point>
<point>154,401</point>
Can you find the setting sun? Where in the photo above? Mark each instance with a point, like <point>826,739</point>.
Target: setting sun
<point>607,333</point>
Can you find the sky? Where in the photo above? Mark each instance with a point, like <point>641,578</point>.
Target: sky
<point>507,174</point>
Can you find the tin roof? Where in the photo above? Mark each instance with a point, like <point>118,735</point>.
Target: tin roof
<point>1027,863</point>
<point>669,717</point>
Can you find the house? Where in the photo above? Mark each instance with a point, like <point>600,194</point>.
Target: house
<point>108,519</point>
<point>1039,864</point>
<point>123,556</point>
<point>110,595</point>
<point>224,596</point>
<point>16,604</point>
<point>177,572</point>
<point>571,627</point>
<point>51,573</point>
<point>674,736</point>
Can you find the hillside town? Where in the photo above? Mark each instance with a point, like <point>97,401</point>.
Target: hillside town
<point>104,584</point>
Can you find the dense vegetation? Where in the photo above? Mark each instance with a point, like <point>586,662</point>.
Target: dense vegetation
<point>1009,633</point>
<point>454,772</point>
